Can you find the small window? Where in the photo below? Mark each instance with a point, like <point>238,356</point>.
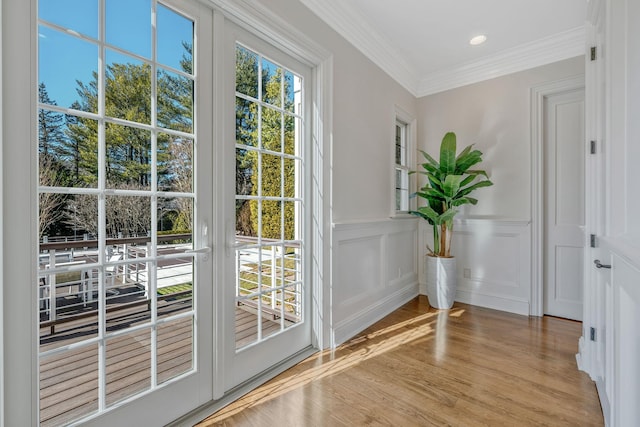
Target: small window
<point>402,167</point>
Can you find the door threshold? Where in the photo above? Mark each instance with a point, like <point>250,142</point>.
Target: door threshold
<point>203,411</point>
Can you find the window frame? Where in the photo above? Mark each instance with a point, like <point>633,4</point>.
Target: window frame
<point>408,122</point>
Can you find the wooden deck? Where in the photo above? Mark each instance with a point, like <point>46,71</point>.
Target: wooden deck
<point>69,380</point>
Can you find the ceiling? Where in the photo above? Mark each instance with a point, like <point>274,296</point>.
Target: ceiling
<point>424,44</point>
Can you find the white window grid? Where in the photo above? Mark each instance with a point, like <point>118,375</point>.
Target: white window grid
<point>274,296</point>
<point>102,263</point>
<point>402,167</point>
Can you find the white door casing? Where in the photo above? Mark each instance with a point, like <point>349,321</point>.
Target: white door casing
<point>564,231</point>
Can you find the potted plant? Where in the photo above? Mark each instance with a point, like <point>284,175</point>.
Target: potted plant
<point>449,183</point>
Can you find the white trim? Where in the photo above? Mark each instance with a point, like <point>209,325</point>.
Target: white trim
<point>344,20</point>
<point>341,17</point>
<point>265,24</point>
<point>565,45</point>
<point>1,245</point>
<point>495,302</point>
<point>19,228</point>
<point>322,177</point>
<point>538,93</point>
<point>356,323</point>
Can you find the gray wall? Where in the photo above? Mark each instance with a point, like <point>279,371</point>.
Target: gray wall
<point>363,118</point>
<point>495,115</point>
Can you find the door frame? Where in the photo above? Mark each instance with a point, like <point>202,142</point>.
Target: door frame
<point>537,96</point>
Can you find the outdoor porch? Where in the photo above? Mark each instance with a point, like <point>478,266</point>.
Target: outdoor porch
<point>69,380</point>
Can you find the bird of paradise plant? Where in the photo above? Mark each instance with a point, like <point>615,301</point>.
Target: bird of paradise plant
<point>449,183</point>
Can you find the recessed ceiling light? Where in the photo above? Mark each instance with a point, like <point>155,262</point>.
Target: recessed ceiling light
<point>478,40</point>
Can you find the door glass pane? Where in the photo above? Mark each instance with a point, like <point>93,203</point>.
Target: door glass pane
<point>175,101</point>
<point>246,72</point>
<point>128,365</point>
<point>246,122</point>
<point>175,348</point>
<point>175,163</point>
<point>128,157</point>
<point>129,25</point>
<point>268,215</point>
<point>175,33</point>
<point>68,385</point>
<point>271,83</point>
<point>128,88</point>
<point>84,20</point>
<point>67,68</point>
<point>115,275</point>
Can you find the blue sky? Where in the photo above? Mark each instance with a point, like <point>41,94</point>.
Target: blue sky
<point>64,58</point>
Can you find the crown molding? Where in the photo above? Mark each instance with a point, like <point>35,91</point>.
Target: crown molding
<point>339,16</point>
<point>261,21</point>
<point>567,44</point>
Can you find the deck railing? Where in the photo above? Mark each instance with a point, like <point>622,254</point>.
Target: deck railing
<point>75,261</point>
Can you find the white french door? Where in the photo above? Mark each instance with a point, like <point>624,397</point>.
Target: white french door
<point>125,204</point>
<point>266,292</point>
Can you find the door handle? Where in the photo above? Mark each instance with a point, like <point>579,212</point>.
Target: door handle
<point>601,265</point>
<point>205,249</point>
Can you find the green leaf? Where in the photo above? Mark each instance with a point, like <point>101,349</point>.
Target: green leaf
<point>430,159</point>
<point>423,216</point>
<point>467,161</point>
<point>448,153</point>
<point>431,169</point>
<point>464,201</point>
<point>447,216</point>
<point>429,213</point>
<point>464,152</point>
<point>435,182</point>
<point>478,172</point>
<point>468,180</point>
<point>435,193</point>
<point>452,185</point>
<point>469,189</point>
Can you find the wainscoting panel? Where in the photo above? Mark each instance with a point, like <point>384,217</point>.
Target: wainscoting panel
<point>493,262</point>
<point>375,271</point>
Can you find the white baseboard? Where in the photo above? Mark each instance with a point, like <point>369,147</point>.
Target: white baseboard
<point>495,302</point>
<point>361,320</point>
<point>604,402</point>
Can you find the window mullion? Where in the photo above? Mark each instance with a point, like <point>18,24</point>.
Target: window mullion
<point>102,227</point>
<point>152,266</point>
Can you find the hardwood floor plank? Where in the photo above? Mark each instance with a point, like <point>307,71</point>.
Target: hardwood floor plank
<point>468,366</point>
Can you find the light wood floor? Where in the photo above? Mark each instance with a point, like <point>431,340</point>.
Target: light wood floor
<point>469,366</point>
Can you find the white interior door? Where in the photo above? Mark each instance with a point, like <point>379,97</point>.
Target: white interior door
<point>266,295</point>
<point>564,231</point>
<point>125,203</point>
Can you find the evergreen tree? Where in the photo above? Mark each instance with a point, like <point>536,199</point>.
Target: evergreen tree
<point>50,126</point>
<point>275,167</point>
<point>51,168</point>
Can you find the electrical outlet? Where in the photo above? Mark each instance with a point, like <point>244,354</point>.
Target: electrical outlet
<point>467,273</point>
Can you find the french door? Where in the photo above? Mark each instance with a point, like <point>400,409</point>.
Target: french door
<point>125,204</point>
<point>266,293</point>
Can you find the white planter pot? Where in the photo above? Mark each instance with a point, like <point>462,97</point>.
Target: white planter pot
<point>441,281</point>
